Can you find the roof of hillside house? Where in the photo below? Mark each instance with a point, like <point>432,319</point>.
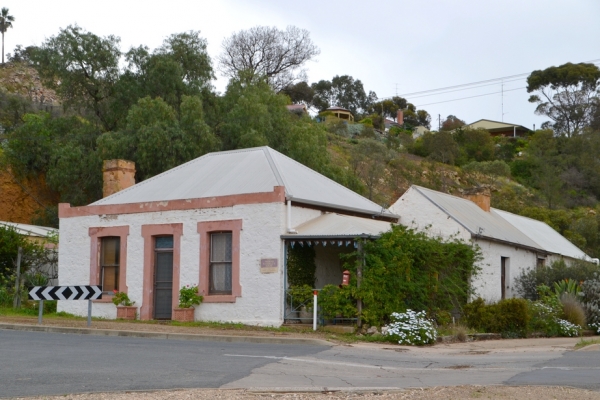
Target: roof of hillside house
<point>502,226</point>
<point>332,225</point>
<point>493,126</point>
<point>255,170</point>
<point>30,230</point>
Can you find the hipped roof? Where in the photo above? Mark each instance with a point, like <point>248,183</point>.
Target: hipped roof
<point>254,170</point>
<point>499,225</point>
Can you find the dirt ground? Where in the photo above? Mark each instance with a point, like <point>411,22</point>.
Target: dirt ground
<point>439,393</point>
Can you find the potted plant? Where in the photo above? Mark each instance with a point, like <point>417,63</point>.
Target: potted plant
<point>188,298</point>
<point>125,308</point>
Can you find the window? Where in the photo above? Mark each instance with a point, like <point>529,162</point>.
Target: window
<point>220,277</point>
<point>110,254</point>
<point>540,262</point>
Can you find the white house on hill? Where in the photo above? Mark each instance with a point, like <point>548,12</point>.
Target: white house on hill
<point>509,243</point>
<point>223,222</point>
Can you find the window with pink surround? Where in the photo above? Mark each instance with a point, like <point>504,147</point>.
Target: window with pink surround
<point>108,259</point>
<point>220,260</point>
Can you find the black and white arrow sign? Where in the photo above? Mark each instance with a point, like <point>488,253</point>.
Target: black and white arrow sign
<point>82,292</point>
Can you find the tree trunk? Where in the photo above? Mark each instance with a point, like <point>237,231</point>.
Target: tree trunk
<point>2,48</point>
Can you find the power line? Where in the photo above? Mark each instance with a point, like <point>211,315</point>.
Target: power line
<point>466,86</point>
<point>458,90</point>
<point>470,97</point>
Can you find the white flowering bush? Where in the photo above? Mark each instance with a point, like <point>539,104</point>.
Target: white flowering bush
<point>568,329</point>
<point>595,327</point>
<point>412,328</point>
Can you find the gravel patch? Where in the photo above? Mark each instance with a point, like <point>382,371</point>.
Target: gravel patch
<point>438,393</point>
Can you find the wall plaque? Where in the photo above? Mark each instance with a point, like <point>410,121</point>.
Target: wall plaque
<point>268,265</point>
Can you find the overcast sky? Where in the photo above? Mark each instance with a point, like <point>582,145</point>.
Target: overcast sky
<point>393,47</point>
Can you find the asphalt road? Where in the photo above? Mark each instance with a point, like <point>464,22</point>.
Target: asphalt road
<point>33,363</point>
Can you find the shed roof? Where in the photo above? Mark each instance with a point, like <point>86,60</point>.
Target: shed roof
<point>254,170</point>
<point>30,230</point>
<point>332,225</point>
<point>503,226</point>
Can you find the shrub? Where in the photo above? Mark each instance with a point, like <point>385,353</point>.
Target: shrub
<point>591,300</point>
<point>526,284</point>
<point>412,328</point>
<point>188,296</point>
<point>544,319</point>
<point>337,302</point>
<point>566,286</point>
<point>568,329</point>
<point>301,266</point>
<point>510,317</point>
<point>300,295</point>
<point>408,269</point>
<point>572,310</point>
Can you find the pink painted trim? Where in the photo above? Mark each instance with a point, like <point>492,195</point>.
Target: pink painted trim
<point>148,233</point>
<point>277,195</point>
<point>96,233</point>
<point>204,229</point>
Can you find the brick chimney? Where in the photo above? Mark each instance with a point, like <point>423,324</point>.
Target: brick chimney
<point>480,196</point>
<point>400,117</point>
<point>116,176</point>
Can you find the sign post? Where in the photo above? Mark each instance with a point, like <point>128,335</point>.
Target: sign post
<point>315,309</point>
<point>81,292</point>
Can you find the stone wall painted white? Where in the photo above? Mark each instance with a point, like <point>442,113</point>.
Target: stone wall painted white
<point>261,301</point>
<point>487,283</point>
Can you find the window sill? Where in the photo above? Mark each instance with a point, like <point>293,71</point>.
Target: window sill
<point>105,299</point>
<point>220,298</point>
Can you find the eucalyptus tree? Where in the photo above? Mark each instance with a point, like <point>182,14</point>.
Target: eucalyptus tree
<point>6,21</point>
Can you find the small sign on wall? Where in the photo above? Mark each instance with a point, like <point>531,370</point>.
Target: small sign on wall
<point>268,265</point>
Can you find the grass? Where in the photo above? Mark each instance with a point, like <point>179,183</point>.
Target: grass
<point>586,342</point>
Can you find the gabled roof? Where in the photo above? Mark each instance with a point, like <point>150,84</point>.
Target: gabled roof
<point>495,125</point>
<point>255,170</point>
<point>331,225</point>
<point>30,230</point>
<point>503,226</point>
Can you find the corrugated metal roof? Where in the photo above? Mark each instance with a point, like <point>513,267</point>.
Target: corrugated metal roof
<point>544,235</point>
<point>336,225</point>
<point>255,170</point>
<point>475,220</point>
<point>502,225</point>
<point>30,230</point>
<point>489,124</point>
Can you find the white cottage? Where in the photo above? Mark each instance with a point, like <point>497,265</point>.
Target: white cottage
<point>222,222</point>
<point>509,243</point>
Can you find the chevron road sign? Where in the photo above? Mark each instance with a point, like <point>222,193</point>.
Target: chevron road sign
<point>79,292</point>
<point>82,292</point>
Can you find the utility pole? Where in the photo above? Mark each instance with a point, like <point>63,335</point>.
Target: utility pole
<point>439,122</point>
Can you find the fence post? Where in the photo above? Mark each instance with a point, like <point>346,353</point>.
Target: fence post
<point>315,310</point>
<point>17,297</point>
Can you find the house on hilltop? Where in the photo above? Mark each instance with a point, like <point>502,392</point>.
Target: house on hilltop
<point>496,128</point>
<point>509,243</point>
<point>224,222</point>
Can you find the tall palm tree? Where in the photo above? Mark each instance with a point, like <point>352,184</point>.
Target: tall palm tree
<point>6,21</point>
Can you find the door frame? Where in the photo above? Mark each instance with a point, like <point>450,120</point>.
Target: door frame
<point>148,233</point>
<point>155,262</point>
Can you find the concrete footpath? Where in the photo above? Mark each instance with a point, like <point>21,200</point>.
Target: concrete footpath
<point>243,334</point>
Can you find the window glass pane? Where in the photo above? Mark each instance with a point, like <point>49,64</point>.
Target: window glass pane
<point>220,249</point>
<point>163,242</point>
<point>220,278</point>
<point>110,251</point>
<point>110,279</point>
